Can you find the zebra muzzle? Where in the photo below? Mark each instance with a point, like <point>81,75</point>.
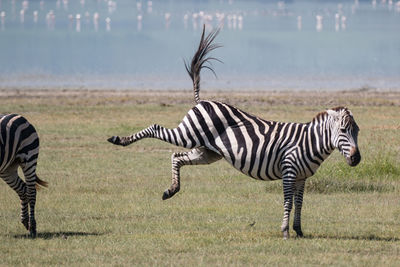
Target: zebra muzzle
<point>355,157</point>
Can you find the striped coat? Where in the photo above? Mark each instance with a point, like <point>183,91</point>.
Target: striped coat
<point>19,147</point>
<point>262,149</point>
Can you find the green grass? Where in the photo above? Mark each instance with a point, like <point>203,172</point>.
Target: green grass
<point>103,205</point>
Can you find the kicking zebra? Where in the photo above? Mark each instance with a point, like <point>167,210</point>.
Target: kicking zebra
<point>264,150</point>
<point>19,147</point>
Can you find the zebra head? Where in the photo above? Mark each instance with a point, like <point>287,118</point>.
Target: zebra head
<point>344,132</point>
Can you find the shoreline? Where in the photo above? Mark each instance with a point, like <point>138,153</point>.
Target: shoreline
<point>180,81</point>
<point>361,97</point>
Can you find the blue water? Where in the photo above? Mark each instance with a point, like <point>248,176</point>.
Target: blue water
<point>267,45</point>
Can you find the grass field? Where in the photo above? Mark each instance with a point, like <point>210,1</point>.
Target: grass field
<point>103,205</point>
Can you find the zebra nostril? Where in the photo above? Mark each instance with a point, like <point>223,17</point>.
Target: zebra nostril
<point>355,158</point>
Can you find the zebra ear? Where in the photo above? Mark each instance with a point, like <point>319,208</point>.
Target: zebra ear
<point>333,114</point>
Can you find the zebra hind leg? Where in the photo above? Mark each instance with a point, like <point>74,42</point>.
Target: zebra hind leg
<point>152,131</point>
<point>288,191</point>
<point>29,170</point>
<point>298,202</point>
<point>197,156</point>
<point>18,185</point>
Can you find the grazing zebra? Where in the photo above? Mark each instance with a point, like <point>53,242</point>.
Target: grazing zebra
<point>19,146</point>
<point>264,150</point>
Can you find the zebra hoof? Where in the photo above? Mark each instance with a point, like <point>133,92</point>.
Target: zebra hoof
<point>170,193</point>
<point>300,234</point>
<point>298,231</point>
<point>25,222</point>
<point>32,234</point>
<point>286,234</point>
<point>114,140</point>
<point>166,195</point>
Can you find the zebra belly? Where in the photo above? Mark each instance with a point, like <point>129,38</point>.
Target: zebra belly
<point>249,157</point>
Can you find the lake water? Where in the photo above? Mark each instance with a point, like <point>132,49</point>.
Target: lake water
<point>267,45</point>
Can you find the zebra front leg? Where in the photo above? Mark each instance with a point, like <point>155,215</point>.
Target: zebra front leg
<point>298,202</point>
<point>196,156</point>
<point>288,190</point>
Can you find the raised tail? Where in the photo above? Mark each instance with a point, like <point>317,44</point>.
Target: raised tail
<point>200,58</point>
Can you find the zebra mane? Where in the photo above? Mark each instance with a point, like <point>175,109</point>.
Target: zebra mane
<point>320,116</point>
<point>347,116</point>
<point>200,58</point>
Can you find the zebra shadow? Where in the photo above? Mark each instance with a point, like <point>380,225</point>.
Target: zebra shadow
<point>367,237</point>
<point>54,235</point>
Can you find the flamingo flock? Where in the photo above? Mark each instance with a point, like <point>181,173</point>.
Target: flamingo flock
<point>233,20</point>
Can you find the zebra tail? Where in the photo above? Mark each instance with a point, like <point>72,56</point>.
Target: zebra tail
<point>40,182</point>
<point>200,58</point>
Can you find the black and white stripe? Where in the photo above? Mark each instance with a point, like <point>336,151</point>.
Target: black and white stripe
<point>19,147</point>
<point>262,149</point>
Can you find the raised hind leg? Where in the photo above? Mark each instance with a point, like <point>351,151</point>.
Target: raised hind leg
<point>18,185</point>
<point>179,136</point>
<point>196,156</point>
<point>153,131</point>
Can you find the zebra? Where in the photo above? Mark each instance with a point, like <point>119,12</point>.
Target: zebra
<point>19,147</point>
<point>261,149</point>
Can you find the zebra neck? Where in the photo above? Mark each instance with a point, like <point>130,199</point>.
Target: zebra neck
<point>319,134</point>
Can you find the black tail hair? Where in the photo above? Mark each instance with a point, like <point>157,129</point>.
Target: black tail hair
<point>200,58</point>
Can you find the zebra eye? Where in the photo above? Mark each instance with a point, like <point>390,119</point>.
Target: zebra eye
<point>343,130</point>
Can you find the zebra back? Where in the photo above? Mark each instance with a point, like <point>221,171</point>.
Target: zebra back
<point>18,141</point>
